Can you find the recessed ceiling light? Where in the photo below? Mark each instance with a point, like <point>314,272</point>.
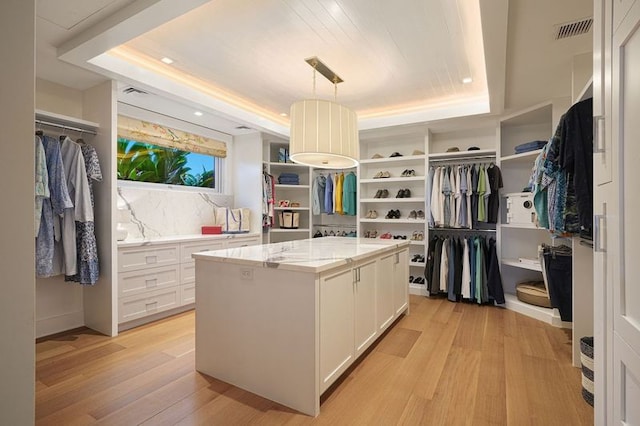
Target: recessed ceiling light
<point>167,61</point>
<point>284,114</point>
<point>467,80</point>
<point>198,113</point>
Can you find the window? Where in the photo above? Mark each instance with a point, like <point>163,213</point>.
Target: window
<point>145,162</point>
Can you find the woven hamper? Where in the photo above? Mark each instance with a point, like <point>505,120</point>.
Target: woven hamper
<point>586,359</point>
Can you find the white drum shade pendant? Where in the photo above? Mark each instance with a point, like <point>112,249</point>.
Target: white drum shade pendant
<point>324,134</point>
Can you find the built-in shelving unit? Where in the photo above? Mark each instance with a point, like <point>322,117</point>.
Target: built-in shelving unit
<point>524,265</point>
<point>410,143</point>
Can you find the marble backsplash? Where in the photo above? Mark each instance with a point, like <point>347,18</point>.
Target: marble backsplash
<point>168,210</point>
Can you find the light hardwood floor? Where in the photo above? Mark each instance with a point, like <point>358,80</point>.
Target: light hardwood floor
<point>445,364</point>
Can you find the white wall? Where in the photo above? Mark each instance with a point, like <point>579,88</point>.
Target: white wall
<point>17,77</point>
<point>58,98</point>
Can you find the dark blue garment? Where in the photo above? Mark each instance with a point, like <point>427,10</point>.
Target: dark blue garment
<point>559,270</point>
<point>451,255</point>
<point>328,195</point>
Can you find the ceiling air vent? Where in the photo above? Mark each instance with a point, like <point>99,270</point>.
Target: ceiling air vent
<point>130,90</point>
<point>571,29</point>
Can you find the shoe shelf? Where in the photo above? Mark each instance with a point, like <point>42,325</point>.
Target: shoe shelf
<point>461,155</point>
<point>525,157</point>
<point>393,200</point>
<point>383,220</point>
<point>417,264</point>
<point>407,159</point>
<point>394,179</point>
<point>416,242</point>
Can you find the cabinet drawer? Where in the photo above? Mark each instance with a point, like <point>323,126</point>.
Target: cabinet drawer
<point>187,249</point>
<point>243,242</point>
<point>188,294</point>
<point>134,307</point>
<point>131,259</point>
<point>136,282</point>
<point>187,273</point>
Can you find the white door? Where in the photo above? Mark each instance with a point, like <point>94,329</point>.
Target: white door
<point>626,267</point>
<point>365,306</point>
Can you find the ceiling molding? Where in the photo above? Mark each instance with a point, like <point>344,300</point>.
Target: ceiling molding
<point>494,16</point>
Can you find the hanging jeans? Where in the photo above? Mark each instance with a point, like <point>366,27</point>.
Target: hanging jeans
<point>559,278</point>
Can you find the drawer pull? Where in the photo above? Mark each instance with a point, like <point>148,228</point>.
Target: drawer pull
<point>151,282</point>
<point>150,306</point>
<point>151,259</point>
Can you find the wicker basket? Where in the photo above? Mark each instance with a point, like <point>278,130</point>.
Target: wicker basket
<point>586,359</point>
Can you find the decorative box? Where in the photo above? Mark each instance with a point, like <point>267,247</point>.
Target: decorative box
<point>213,229</point>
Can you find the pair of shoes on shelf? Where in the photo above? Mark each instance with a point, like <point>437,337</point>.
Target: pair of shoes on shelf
<point>408,173</point>
<point>395,154</point>
<point>420,214</point>
<point>382,193</point>
<point>404,193</point>
<point>416,214</point>
<point>418,258</point>
<point>399,237</point>
<point>417,280</point>
<point>386,236</point>
<point>371,214</point>
<point>417,236</point>
<point>380,175</point>
<point>393,214</point>
<point>371,234</point>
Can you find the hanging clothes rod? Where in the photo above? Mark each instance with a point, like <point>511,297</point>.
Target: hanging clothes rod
<point>64,127</point>
<point>335,226</point>
<point>464,160</point>
<point>460,230</point>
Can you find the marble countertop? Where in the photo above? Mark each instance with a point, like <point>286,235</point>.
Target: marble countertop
<point>312,255</point>
<point>138,242</point>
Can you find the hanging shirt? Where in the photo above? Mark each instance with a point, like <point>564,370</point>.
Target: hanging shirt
<point>349,199</point>
<point>41,188</point>
<point>446,192</point>
<point>444,266</point>
<point>465,289</point>
<point>317,192</point>
<point>429,189</point>
<point>482,216</point>
<point>487,194</point>
<point>328,195</point>
<point>436,207</point>
<point>338,191</point>
<point>495,183</point>
<point>462,211</point>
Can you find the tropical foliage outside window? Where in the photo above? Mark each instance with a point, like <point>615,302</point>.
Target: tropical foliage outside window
<point>143,162</point>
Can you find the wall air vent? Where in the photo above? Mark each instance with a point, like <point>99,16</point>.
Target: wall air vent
<point>571,29</point>
<point>130,90</point>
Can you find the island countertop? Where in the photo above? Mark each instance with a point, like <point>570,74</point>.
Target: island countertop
<point>312,255</point>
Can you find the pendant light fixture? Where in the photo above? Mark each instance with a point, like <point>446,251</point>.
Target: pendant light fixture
<point>324,134</point>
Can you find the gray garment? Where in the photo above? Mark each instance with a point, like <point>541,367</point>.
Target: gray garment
<point>444,266</point>
<point>446,191</point>
<point>430,176</point>
<point>462,218</point>
<point>475,174</point>
<point>318,188</point>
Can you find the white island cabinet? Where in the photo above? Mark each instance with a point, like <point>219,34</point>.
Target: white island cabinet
<point>285,320</point>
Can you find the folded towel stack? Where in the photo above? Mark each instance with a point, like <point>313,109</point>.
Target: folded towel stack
<point>289,179</point>
<point>530,146</point>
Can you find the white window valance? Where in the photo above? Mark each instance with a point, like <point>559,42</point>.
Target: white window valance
<point>156,134</point>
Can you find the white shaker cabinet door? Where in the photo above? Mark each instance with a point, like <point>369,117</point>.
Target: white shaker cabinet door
<point>365,306</point>
<point>401,281</point>
<point>384,291</point>
<point>336,325</point>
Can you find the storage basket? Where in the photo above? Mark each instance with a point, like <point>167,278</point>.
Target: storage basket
<point>289,219</point>
<point>586,359</point>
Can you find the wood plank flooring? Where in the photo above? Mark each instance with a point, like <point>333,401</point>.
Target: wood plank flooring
<point>445,364</point>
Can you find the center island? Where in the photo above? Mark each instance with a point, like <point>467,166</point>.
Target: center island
<point>285,320</point>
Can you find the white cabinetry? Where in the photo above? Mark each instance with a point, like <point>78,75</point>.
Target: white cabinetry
<point>154,277</point>
<point>365,305</point>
